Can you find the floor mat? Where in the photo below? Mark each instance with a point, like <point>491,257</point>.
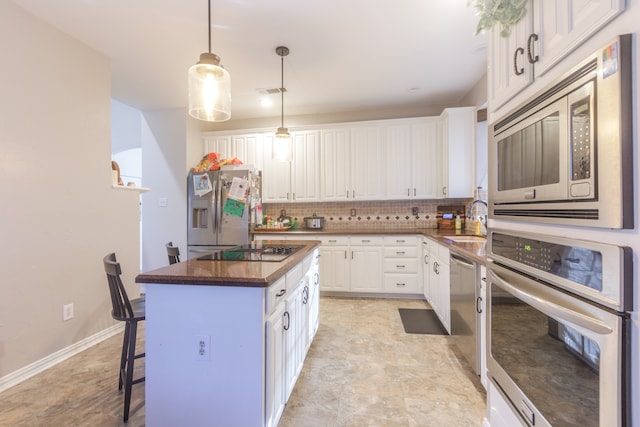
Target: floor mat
<point>421,321</point>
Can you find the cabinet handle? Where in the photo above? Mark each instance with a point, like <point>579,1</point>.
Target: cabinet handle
<point>444,190</point>
<point>316,279</point>
<point>533,37</point>
<point>345,255</point>
<point>347,194</point>
<point>426,260</point>
<point>332,241</point>
<point>400,284</point>
<point>288,320</point>
<point>305,295</point>
<point>282,292</point>
<point>366,241</point>
<point>400,252</point>
<point>479,305</point>
<point>436,267</point>
<point>401,266</point>
<point>294,196</point>
<point>517,71</point>
<point>400,241</point>
<point>287,195</point>
<point>354,194</point>
<point>408,190</point>
<point>414,192</point>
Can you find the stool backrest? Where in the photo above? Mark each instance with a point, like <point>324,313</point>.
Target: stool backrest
<point>121,307</point>
<point>173,252</point>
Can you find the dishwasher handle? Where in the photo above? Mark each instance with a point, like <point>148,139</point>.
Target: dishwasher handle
<point>461,261</point>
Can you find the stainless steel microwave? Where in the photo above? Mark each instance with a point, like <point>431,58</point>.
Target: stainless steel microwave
<point>565,156</point>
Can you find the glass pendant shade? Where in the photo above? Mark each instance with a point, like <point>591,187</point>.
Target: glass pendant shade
<point>209,90</point>
<point>282,145</point>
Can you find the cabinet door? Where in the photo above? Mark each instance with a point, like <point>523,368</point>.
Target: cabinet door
<point>367,152</point>
<point>293,339</point>
<point>249,149</point>
<point>509,70</point>
<point>562,25</point>
<point>426,152</point>
<point>366,268</point>
<point>275,397</point>
<point>458,127</point>
<point>335,167</point>
<point>399,185</point>
<point>334,268</point>
<point>217,144</point>
<point>305,168</point>
<point>276,175</point>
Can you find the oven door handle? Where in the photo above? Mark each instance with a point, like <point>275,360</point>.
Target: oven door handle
<point>550,308</point>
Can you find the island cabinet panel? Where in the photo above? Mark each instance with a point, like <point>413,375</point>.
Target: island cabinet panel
<point>223,386</point>
<point>228,355</point>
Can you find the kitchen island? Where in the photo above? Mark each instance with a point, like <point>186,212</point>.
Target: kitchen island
<point>226,339</point>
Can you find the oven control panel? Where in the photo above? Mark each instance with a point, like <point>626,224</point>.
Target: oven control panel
<point>580,265</point>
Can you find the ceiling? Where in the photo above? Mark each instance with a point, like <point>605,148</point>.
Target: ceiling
<point>345,55</point>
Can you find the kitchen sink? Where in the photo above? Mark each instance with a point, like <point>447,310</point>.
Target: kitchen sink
<point>465,238</point>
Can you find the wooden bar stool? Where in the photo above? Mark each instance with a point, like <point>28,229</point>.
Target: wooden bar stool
<point>131,312</point>
<point>173,252</point>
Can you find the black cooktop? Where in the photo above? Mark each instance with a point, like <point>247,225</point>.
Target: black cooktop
<point>253,252</point>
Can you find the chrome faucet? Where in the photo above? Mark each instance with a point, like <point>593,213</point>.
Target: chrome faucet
<point>484,220</point>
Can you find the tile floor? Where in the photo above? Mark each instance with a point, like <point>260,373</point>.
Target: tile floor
<point>362,370</point>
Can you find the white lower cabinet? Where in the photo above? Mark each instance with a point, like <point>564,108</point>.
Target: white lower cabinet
<point>291,322</point>
<point>402,265</point>
<point>334,263</point>
<point>366,264</point>
<point>439,288</point>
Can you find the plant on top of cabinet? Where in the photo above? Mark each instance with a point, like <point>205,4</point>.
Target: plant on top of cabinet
<point>504,12</point>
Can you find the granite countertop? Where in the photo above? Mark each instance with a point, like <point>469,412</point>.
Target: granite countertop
<point>476,250</point>
<point>228,273</point>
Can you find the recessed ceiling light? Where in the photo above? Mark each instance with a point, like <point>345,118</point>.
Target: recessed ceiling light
<point>266,102</point>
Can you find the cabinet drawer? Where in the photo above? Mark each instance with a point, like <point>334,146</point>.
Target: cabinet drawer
<point>401,283</point>
<point>400,265</point>
<point>401,240</point>
<point>276,293</point>
<point>334,240</point>
<point>400,252</point>
<point>366,241</point>
<point>293,276</point>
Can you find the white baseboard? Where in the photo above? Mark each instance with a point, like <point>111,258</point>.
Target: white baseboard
<point>53,359</point>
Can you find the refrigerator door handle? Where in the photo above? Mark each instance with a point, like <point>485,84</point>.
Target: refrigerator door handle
<point>217,202</point>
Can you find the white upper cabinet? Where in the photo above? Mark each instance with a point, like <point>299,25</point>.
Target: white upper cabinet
<point>549,31</point>
<point>305,167</point>
<point>458,127</point>
<point>367,162</point>
<point>335,165</point>
<point>247,148</point>
<point>276,175</point>
<point>412,160</point>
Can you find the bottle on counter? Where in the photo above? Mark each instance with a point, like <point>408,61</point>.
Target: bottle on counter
<point>479,226</point>
<point>458,223</point>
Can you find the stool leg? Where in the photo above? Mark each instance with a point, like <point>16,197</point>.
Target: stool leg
<point>133,326</point>
<point>123,357</point>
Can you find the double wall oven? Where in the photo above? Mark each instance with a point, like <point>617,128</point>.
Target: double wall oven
<point>558,328</point>
<point>559,309</point>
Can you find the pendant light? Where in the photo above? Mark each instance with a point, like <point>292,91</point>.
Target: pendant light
<point>209,87</point>
<point>282,141</point>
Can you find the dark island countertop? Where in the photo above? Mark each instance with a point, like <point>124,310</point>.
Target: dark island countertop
<point>475,250</point>
<point>228,273</point>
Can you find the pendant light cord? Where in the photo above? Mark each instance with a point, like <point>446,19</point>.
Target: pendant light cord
<point>282,89</point>
<point>209,26</point>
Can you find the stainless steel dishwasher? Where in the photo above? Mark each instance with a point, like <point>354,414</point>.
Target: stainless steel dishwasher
<point>465,308</point>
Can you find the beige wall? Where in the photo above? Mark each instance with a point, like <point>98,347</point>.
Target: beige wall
<point>58,214</point>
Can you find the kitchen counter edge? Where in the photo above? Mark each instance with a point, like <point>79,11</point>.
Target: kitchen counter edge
<point>476,251</point>
<point>255,274</point>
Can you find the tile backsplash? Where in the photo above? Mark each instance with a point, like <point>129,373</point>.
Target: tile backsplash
<point>374,215</point>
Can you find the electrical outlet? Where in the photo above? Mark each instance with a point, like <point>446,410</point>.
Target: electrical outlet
<point>203,347</point>
<point>67,312</point>
<point>414,211</point>
<point>353,212</point>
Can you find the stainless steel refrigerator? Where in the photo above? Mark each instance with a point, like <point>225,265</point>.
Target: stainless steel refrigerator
<point>223,206</point>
